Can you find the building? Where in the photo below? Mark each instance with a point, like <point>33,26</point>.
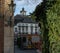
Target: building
<point>26,29</point>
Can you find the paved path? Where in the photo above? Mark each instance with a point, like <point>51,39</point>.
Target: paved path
<point>17,50</point>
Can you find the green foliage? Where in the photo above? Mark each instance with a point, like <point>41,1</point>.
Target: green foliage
<point>53,19</point>
<point>48,14</point>
<point>32,16</point>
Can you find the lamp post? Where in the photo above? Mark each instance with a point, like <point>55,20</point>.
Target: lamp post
<point>12,6</point>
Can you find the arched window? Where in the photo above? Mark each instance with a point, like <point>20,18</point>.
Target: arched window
<point>15,29</point>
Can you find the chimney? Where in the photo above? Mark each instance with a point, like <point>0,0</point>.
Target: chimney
<point>23,12</point>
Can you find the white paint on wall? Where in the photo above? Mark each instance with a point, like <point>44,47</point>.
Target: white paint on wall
<point>27,27</point>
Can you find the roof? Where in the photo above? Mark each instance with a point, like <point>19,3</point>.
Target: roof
<point>23,19</point>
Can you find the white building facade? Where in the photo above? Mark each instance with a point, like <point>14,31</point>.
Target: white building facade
<point>27,28</point>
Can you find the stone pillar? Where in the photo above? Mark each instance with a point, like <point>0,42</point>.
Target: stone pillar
<point>8,39</point>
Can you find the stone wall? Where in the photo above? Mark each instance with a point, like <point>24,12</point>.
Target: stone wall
<point>8,40</point>
<point>8,31</point>
<point>1,35</point>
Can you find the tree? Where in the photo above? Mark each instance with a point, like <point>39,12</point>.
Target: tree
<point>40,12</point>
<point>48,14</point>
<point>32,16</point>
<point>53,19</point>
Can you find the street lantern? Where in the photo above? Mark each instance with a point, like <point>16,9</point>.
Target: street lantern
<point>12,9</point>
<point>12,6</point>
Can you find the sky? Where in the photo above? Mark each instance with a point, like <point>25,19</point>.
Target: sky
<point>29,6</point>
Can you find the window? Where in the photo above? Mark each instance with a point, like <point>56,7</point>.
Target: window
<point>19,29</point>
<point>35,30</point>
<point>15,29</point>
<point>26,29</point>
<point>31,29</point>
<point>22,29</point>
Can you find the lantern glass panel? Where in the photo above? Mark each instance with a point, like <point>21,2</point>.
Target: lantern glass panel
<point>12,6</point>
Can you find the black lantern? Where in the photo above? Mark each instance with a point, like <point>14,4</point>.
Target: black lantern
<point>12,6</point>
<point>12,9</point>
